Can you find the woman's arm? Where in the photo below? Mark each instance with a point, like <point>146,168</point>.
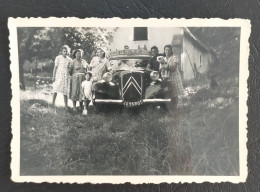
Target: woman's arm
<point>108,66</point>
<point>54,73</point>
<point>85,65</point>
<point>70,67</point>
<point>92,63</point>
<point>89,67</point>
<point>82,88</point>
<point>56,62</point>
<point>173,63</point>
<point>149,67</point>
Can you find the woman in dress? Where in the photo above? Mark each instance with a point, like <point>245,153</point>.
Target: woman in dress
<point>77,69</point>
<point>99,64</point>
<point>60,77</point>
<point>171,65</point>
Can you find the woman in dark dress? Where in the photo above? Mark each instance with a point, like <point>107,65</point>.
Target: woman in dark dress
<point>77,69</point>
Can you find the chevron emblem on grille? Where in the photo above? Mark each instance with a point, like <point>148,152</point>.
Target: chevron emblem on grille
<point>132,81</point>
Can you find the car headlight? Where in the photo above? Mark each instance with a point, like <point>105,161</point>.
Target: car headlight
<point>154,75</point>
<point>107,77</point>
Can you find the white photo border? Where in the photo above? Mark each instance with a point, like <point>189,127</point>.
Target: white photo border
<point>13,23</point>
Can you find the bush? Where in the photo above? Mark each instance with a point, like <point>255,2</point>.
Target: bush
<point>45,65</point>
<point>39,81</point>
<point>202,95</point>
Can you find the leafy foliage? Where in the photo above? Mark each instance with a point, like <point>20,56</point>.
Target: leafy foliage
<point>45,42</point>
<point>225,43</point>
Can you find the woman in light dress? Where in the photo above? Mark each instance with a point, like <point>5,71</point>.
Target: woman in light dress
<point>77,69</point>
<point>60,77</point>
<point>99,64</point>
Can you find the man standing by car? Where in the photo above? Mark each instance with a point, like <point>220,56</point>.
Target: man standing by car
<point>153,63</point>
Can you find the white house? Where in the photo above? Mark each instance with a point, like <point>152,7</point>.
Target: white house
<point>195,57</point>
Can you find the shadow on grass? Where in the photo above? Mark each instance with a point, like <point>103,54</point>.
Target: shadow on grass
<point>40,102</point>
<point>112,109</point>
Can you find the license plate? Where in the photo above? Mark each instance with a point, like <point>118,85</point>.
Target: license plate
<point>132,104</point>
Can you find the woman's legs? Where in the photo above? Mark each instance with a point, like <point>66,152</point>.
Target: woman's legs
<point>74,106</point>
<point>54,98</point>
<point>174,103</point>
<point>88,102</point>
<point>81,105</point>
<point>66,101</point>
<point>85,104</point>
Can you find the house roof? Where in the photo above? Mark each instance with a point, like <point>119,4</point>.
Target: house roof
<point>195,39</point>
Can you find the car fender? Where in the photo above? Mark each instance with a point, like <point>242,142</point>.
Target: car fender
<point>103,87</point>
<point>157,90</point>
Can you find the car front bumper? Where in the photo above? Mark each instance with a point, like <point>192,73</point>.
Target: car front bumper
<point>120,101</point>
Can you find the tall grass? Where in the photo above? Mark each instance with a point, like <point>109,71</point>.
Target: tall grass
<point>201,138</point>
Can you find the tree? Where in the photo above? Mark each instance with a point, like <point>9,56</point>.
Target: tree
<point>87,38</point>
<point>225,43</point>
<point>25,36</point>
<point>45,42</point>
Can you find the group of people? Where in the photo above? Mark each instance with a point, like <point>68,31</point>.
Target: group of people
<point>74,77</point>
<point>167,64</point>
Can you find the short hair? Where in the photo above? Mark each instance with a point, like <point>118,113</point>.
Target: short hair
<point>154,47</point>
<point>75,52</point>
<point>67,48</point>
<point>90,74</point>
<point>103,51</point>
<point>63,47</point>
<point>167,46</point>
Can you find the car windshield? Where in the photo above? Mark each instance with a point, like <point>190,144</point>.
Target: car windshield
<point>128,64</point>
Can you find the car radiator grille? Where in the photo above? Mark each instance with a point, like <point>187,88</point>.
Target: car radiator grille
<point>132,86</point>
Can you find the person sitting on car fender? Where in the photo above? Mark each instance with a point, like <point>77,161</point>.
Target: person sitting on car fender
<point>154,63</point>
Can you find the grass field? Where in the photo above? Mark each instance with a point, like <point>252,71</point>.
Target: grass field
<point>201,138</point>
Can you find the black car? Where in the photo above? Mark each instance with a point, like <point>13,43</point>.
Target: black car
<point>130,83</point>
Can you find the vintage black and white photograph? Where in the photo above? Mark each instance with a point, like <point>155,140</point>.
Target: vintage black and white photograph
<point>114,97</point>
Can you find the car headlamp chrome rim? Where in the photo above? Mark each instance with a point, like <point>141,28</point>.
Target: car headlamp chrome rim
<point>154,75</point>
<point>107,77</point>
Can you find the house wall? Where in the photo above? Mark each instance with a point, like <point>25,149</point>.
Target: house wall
<point>193,55</point>
<point>156,36</point>
<point>183,47</point>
